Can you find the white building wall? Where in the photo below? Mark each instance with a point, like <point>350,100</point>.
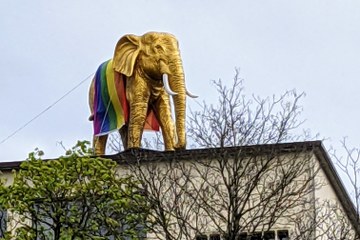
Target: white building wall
<point>322,192</point>
<point>332,221</point>
<point>210,228</point>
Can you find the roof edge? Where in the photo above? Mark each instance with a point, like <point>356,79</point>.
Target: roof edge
<point>186,153</point>
<point>339,188</point>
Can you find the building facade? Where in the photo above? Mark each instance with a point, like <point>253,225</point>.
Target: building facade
<point>278,191</point>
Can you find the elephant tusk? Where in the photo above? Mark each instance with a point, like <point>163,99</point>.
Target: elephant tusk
<point>166,85</point>
<point>190,94</point>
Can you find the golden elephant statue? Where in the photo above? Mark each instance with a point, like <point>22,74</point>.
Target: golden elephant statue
<point>131,91</point>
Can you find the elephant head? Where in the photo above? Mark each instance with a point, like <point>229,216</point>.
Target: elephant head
<point>153,71</point>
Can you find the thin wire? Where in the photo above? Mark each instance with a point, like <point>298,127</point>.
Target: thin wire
<point>45,110</point>
<point>106,113</point>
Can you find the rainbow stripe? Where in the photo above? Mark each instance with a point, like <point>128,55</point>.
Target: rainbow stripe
<point>110,105</point>
<point>111,109</point>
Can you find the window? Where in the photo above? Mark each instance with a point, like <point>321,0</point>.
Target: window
<point>201,237</point>
<point>269,235</point>
<point>215,237</point>
<point>3,218</point>
<point>43,223</point>
<point>256,236</point>
<point>242,236</point>
<point>139,230</point>
<point>283,235</point>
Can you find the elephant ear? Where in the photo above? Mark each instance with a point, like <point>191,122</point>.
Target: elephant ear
<point>126,51</point>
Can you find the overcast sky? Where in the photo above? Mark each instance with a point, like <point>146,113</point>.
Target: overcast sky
<point>48,47</point>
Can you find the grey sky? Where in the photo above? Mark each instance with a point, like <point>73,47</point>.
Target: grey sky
<point>47,47</point>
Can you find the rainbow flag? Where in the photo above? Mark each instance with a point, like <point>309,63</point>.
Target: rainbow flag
<point>111,109</point>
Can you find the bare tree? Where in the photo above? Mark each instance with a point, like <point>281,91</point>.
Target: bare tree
<point>166,185</point>
<point>330,220</point>
<point>238,121</point>
<point>233,186</point>
<point>349,165</point>
<point>254,189</point>
<point>152,141</point>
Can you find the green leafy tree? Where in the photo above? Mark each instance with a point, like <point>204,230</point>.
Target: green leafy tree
<point>74,197</point>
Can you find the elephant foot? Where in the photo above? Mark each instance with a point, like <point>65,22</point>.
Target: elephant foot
<point>179,149</point>
<point>170,149</point>
<point>180,146</point>
<point>133,148</point>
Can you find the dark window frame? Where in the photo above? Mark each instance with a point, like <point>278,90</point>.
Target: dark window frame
<point>215,236</point>
<point>201,237</point>
<point>282,234</point>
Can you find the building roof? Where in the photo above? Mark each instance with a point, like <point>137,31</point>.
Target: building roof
<point>316,147</point>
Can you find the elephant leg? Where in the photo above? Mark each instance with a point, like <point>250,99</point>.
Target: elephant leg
<point>138,95</point>
<point>137,119</point>
<point>124,136</point>
<point>99,144</point>
<point>163,114</point>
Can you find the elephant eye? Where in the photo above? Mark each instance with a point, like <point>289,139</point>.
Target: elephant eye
<point>159,48</point>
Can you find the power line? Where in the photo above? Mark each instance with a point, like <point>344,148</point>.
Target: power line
<point>46,109</point>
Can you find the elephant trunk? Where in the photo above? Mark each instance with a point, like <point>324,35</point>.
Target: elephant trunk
<point>177,84</point>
